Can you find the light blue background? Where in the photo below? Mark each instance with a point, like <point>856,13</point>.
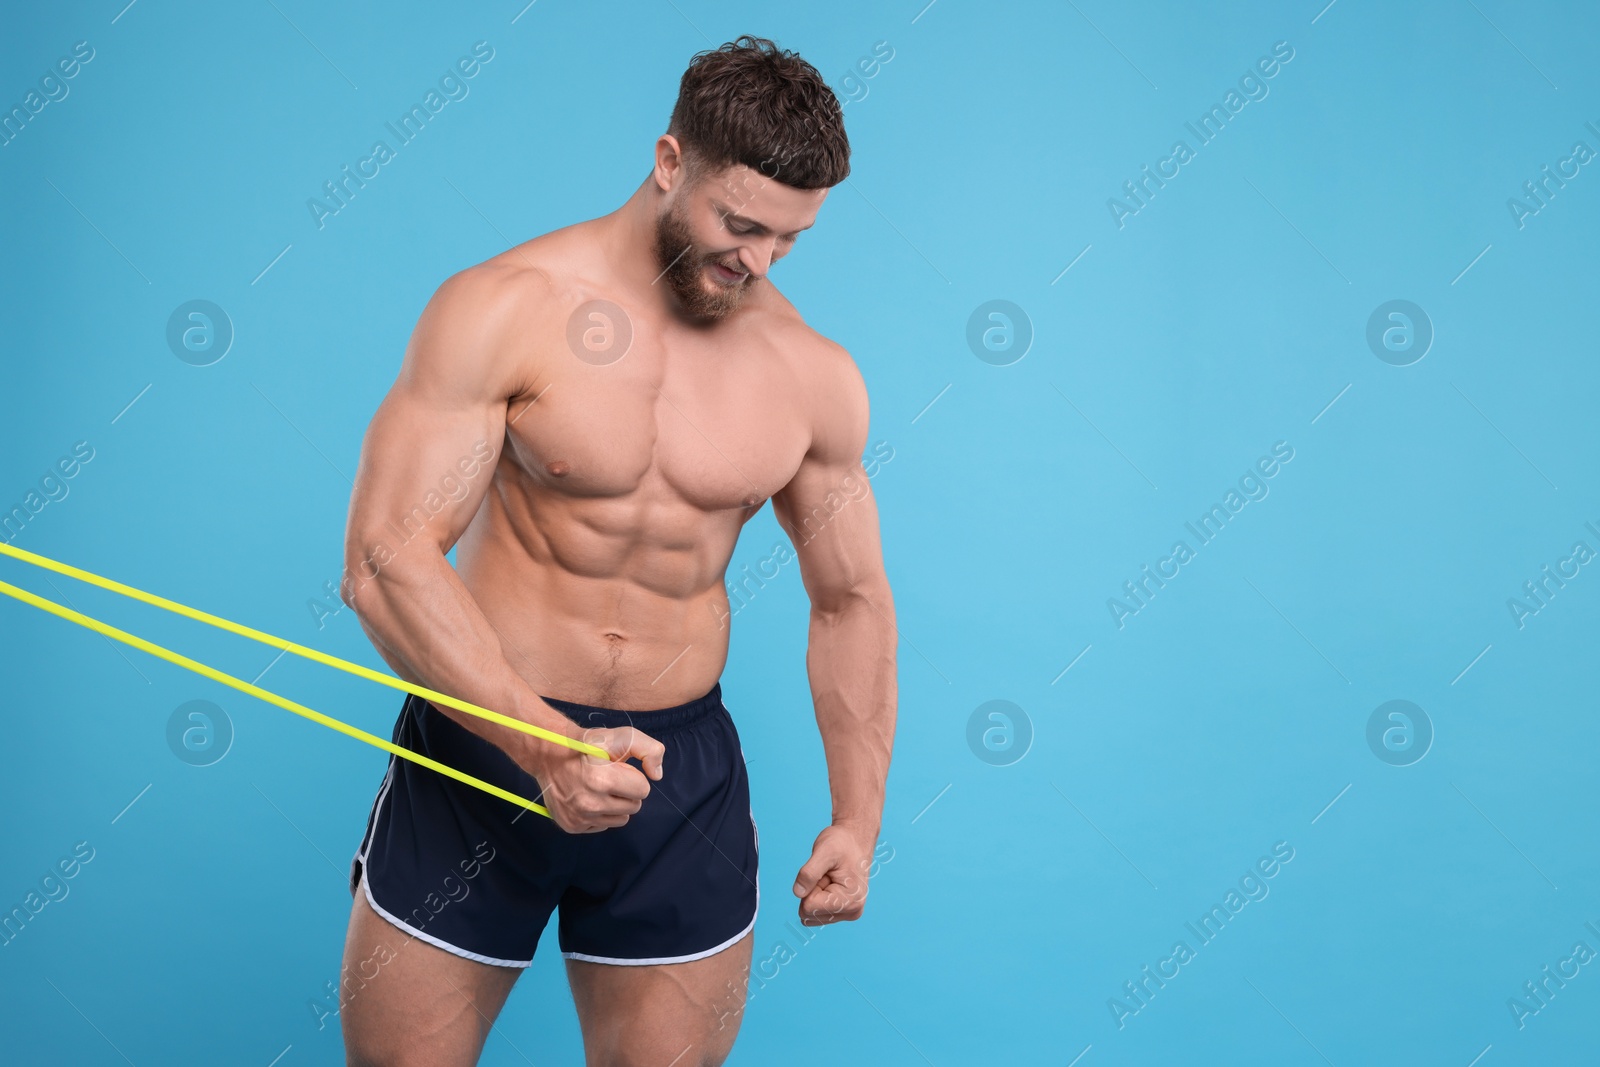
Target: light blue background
<point>1227,315</point>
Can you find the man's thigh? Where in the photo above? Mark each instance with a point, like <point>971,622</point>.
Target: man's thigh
<point>661,1015</point>
<point>403,1002</point>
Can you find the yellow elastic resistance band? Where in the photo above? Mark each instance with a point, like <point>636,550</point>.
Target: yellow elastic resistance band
<point>256,691</point>
<point>287,646</point>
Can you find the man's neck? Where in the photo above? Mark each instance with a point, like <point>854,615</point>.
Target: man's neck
<point>629,246</point>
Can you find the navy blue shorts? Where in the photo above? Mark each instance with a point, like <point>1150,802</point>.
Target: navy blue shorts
<point>478,876</point>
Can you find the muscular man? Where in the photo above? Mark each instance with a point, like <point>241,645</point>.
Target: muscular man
<point>590,418</point>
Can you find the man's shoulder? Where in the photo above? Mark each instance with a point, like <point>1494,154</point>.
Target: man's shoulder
<point>815,356</point>
<point>827,366</point>
<point>831,386</point>
<point>484,320</point>
<point>529,276</point>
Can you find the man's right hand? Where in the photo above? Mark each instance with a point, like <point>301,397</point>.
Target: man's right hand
<point>586,794</point>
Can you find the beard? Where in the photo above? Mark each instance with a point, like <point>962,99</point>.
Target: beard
<point>683,265</point>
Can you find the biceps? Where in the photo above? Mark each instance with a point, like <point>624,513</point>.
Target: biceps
<point>832,517</point>
<point>424,470</point>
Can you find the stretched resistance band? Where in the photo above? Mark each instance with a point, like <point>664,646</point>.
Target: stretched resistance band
<point>288,646</point>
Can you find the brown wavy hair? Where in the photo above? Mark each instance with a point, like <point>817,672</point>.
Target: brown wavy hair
<point>753,103</point>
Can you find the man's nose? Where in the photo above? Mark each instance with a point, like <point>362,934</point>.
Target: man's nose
<point>757,258</point>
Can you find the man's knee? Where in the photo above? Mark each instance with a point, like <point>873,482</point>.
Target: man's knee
<point>703,1038</point>
<point>377,1036</point>
<point>355,1056</point>
<point>656,1053</point>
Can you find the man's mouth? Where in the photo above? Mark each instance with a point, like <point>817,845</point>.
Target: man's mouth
<point>724,275</point>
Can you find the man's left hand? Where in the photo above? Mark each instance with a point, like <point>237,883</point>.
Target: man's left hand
<point>832,886</point>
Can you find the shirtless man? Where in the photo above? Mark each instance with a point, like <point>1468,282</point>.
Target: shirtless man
<point>591,417</point>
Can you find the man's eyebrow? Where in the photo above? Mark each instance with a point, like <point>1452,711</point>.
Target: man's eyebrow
<point>754,226</point>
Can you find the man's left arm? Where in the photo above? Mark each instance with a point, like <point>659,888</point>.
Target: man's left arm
<point>830,514</point>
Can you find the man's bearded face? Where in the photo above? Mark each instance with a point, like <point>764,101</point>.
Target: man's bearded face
<point>691,270</point>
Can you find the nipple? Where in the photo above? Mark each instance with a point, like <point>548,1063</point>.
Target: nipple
<point>558,467</point>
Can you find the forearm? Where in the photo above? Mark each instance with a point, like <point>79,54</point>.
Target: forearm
<point>425,624</point>
<point>850,658</point>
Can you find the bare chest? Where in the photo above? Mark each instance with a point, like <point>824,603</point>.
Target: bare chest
<point>716,425</point>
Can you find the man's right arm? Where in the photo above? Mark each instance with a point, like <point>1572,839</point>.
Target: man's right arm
<point>441,427</point>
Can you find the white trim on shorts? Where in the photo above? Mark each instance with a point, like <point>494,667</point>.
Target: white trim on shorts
<point>672,959</point>
<point>404,927</point>
<point>693,955</point>
<point>429,938</point>
<point>372,831</point>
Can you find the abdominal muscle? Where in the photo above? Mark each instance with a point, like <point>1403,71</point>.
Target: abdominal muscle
<point>612,602</point>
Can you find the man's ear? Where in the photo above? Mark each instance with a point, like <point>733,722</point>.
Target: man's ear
<point>671,168</point>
